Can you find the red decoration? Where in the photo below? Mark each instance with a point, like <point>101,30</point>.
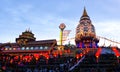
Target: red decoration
<point>116,52</point>
<point>98,52</point>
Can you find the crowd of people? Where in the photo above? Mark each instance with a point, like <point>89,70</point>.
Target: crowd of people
<point>105,63</point>
<point>41,64</point>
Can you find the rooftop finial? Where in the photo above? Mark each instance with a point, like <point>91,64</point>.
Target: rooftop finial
<point>85,12</point>
<point>28,30</point>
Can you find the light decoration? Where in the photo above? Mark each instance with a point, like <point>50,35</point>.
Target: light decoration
<point>31,48</point>
<point>27,58</point>
<point>36,56</point>
<point>10,48</point>
<point>97,54</point>
<point>18,48</point>
<point>27,48</point>
<point>77,56</point>
<point>116,52</point>
<point>16,57</point>
<point>81,54</point>
<point>2,48</point>
<point>11,61</point>
<point>55,54</point>
<point>60,52</point>
<point>46,56</point>
<point>14,48</point>
<point>65,51</point>
<point>6,48</point>
<point>84,52</point>
<point>87,49</point>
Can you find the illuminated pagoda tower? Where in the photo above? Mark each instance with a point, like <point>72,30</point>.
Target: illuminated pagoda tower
<point>85,33</point>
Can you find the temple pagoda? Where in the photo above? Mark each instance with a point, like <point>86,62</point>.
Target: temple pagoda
<point>26,37</point>
<point>85,33</point>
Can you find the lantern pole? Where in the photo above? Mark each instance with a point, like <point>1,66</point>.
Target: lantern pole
<point>62,27</point>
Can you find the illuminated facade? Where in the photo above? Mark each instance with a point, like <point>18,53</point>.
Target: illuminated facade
<point>85,33</point>
<point>26,43</point>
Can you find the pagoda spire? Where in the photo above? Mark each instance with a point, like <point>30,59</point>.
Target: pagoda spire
<point>84,13</point>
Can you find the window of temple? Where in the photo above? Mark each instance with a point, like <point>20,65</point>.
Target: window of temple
<point>10,48</point>
<point>27,48</point>
<point>31,48</point>
<point>18,48</point>
<point>23,48</point>
<point>2,48</point>
<point>14,48</point>
<point>41,47</point>
<point>36,48</point>
<point>6,48</point>
<point>46,47</point>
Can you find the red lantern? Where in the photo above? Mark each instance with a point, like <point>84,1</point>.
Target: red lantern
<point>98,52</point>
<point>81,54</point>
<point>77,56</point>
<point>116,52</point>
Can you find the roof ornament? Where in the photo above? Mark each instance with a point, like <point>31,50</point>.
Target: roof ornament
<point>84,13</point>
<point>28,30</point>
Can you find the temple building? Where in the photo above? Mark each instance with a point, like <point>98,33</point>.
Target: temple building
<point>26,43</point>
<point>85,33</point>
<point>30,55</point>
